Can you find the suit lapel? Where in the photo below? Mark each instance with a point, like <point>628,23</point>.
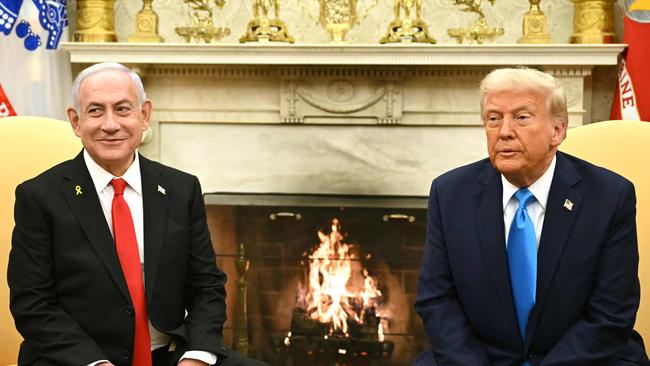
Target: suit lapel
<point>489,209</point>
<point>79,191</point>
<point>558,221</point>
<point>154,201</point>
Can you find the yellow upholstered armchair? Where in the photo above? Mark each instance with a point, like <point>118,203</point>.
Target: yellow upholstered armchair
<point>28,146</point>
<point>624,147</point>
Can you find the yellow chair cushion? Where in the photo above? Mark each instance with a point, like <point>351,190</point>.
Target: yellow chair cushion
<point>624,147</point>
<point>28,146</point>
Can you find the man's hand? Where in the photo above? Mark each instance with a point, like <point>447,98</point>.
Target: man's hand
<point>191,362</point>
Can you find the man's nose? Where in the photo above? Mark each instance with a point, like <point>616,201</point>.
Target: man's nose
<point>110,124</point>
<point>507,127</point>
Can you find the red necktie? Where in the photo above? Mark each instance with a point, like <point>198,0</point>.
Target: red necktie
<point>127,249</point>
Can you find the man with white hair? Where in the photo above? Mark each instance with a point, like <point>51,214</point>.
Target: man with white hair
<point>531,254</point>
<point>111,259</point>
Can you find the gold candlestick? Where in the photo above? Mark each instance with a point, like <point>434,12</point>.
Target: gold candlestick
<point>405,28</point>
<point>264,29</point>
<point>146,25</point>
<point>95,21</point>
<point>593,21</point>
<point>534,25</point>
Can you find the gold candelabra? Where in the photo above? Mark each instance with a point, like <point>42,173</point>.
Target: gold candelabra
<point>338,16</point>
<point>262,28</point>
<point>480,32</point>
<point>407,25</point>
<point>202,27</point>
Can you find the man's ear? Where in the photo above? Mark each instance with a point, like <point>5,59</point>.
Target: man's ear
<point>73,117</point>
<point>146,114</point>
<point>559,131</point>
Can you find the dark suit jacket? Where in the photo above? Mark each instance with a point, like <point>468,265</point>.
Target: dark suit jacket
<point>587,283</point>
<point>68,295</point>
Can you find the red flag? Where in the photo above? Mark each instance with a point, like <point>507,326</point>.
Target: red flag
<point>632,98</point>
<point>6,109</point>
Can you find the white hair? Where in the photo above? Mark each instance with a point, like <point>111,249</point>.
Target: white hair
<point>523,79</point>
<point>104,66</point>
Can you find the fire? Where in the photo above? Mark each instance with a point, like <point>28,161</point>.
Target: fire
<point>331,296</point>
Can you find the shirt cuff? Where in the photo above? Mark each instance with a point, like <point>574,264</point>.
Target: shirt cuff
<point>206,357</point>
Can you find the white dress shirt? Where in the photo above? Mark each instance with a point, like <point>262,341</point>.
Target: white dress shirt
<point>133,197</point>
<point>536,208</point>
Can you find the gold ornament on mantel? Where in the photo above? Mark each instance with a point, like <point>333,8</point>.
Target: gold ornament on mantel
<point>202,27</point>
<point>593,21</point>
<point>405,28</point>
<point>264,29</point>
<point>480,32</point>
<point>146,25</point>
<point>339,16</point>
<point>95,21</point>
<point>534,25</point>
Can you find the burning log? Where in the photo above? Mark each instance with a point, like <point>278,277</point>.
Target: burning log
<point>333,318</point>
<point>330,295</point>
<point>369,329</point>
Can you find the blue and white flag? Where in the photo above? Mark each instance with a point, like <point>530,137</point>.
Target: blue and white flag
<point>52,16</point>
<point>34,73</point>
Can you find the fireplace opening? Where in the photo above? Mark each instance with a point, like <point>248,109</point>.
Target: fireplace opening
<point>331,279</point>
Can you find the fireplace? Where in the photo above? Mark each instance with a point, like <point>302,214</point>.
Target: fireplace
<point>378,240</point>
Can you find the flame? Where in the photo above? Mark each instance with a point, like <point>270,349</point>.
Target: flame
<point>331,298</point>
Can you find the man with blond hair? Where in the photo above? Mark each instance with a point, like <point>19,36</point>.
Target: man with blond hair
<point>111,260</point>
<point>531,254</point>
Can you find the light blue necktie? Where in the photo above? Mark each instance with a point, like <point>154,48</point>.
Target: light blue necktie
<point>522,259</point>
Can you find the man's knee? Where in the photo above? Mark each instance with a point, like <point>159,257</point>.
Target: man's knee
<point>425,359</point>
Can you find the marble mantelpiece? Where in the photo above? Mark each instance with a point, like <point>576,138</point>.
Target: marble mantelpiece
<point>332,119</point>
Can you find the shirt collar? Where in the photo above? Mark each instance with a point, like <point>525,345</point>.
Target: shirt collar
<point>101,178</point>
<point>540,188</point>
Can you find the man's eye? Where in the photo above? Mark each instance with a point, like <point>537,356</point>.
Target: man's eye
<point>493,119</point>
<point>94,112</point>
<point>523,117</point>
<point>123,110</point>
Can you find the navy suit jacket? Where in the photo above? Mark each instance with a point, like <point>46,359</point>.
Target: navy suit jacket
<point>587,281</point>
<point>68,295</point>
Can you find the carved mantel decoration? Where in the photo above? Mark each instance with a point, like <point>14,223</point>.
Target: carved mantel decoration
<point>346,97</point>
<point>387,118</point>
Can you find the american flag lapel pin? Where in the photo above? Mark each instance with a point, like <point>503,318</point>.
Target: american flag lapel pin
<point>568,204</point>
<point>161,190</point>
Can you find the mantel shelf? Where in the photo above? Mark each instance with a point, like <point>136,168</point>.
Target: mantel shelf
<point>328,54</point>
